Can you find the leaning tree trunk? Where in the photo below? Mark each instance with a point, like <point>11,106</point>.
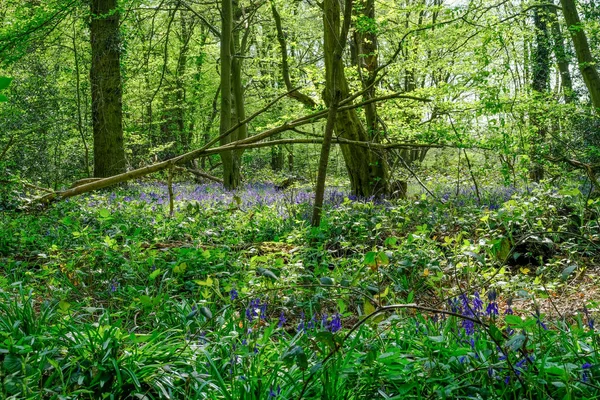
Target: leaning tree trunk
<point>540,84</point>
<point>105,79</point>
<point>587,65</point>
<point>366,169</point>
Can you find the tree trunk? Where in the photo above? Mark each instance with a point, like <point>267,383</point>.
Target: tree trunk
<point>587,65</point>
<point>540,84</point>
<point>105,78</point>
<point>230,177</point>
<point>367,171</point>
<point>562,58</point>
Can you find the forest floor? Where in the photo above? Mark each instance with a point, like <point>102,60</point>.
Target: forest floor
<point>236,296</point>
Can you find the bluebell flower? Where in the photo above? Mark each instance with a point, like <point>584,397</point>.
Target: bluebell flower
<point>233,294</point>
<point>311,323</point>
<point>492,309</point>
<point>336,323</point>
<point>469,326</point>
<point>509,310</point>
<point>454,305</point>
<point>253,310</point>
<point>466,307</point>
<point>585,376</point>
<point>539,321</point>
<point>477,303</point>
<point>274,393</point>
<point>282,320</point>
<point>324,321</point>
<point>301,327</point>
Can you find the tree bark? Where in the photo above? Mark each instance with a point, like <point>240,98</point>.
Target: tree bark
<point>230,178</point>
<point>587,64</point>
<point>562,58</point>
<point>368,174</point>
<point>540,84</point>
<point>106,87</point>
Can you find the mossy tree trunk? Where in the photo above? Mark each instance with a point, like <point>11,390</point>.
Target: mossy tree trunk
<point>540,84</point>
<point>107,90</point>
<point>366,169</point>
<point>587,64</point>
<point>232,92</point>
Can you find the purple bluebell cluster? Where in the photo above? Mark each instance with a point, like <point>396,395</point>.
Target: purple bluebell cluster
<point>256,309</point>
<point>250,196</point>
<point>333,324</point>
<point>282,320</point>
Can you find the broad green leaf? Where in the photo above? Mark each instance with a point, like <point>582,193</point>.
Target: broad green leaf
<point>207,282</point>
<point>516,342</point>
<point>368,307</point>
<point>326,280</point>
<point>513,320</point>
<point>64,305</point>
<point>206,312</point>
<point>4,82</point>
<point>104,213</point>
<point>154,274</point>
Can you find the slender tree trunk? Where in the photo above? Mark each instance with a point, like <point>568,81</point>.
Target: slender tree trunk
<point>86,158</point>
<point>239,107</point>
<point>105,78</point>
<point>562,58</point>
<point>230,179</point>
<point>587,64</point>
<point>185,135</point>
<point>540,84</point>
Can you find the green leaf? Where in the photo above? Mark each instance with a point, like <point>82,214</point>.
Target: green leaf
<point>12,363</point>
<point>268,273</point>
<point>513,320</point>
<point>154,274</point>
<point>382,258</point>
<point>64,305</point>
<point>208,282</point>
<point>370,259</point>
<point>3,98</point>
<point>495,333</point>
<point>567,272</point>
<point>206,312</point>
<point>516,342</point>
<point>326,281</point>
<point>104,213</point>
<point>180,269</point>
<point>5,82</point>
<point>296,354</point>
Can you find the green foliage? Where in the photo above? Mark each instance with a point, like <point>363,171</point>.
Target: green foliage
<point>107,295</point>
